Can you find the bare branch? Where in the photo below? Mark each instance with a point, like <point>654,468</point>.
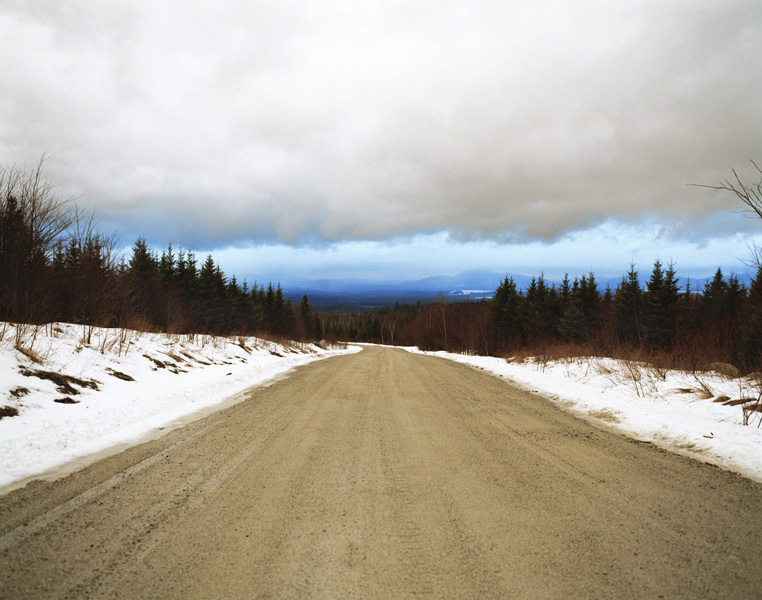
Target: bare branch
<point>750,195</point>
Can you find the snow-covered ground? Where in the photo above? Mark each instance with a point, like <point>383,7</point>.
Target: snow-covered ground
<point>696,415</point>
<point>76,399</point>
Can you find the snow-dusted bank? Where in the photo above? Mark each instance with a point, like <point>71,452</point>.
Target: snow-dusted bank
<point>697,415</point>
<point>81,390</point>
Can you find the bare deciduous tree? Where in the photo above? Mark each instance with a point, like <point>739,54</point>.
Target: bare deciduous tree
<point>750,195</point>
<point>32,222</point>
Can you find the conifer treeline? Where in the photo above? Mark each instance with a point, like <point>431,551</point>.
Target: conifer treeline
<point>167,292</point>
<point>55,267</point>
<point>679,326</point>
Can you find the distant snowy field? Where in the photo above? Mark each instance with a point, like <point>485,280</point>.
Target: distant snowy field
<point>701,416</point>
<point>118,388</point>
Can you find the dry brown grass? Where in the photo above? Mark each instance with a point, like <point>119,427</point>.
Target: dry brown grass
<point>30,354</point>
<point>8,411</point>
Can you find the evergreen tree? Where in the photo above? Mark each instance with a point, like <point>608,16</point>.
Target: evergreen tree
<point>628,308</point>
<point>541,312</point>
<point>19,262</point>
<point>306,323</point>
<point>580,318</point>
<point>167,265</point>
<point>715,297</point>
<point>506,307</point>
<point>572,325</point>
<point>590,303</point>
<point>280,312</point>
<point>750,346</point>
<point>142,274</point>
<point>257,307</point>
<point>661,307</point>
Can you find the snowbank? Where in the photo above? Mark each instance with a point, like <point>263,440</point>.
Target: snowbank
<point>81,390</point>
<point>696,415</point>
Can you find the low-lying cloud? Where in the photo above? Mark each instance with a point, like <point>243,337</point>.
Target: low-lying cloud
<point>235,122</point>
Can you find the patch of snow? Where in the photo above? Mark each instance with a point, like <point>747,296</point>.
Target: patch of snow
<point>675,410</point>
<point>118,388</point>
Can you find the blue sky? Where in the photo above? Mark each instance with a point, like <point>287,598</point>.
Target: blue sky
<point>607,250</point>
<point>391,140</point>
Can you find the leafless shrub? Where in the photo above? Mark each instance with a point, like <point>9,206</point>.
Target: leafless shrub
<point>625,372</point>
<point>242,344</point>
<point>87,334</point>
<point>658,372</point>
<point>107,341</point>
<point>24,341</point>
<point>124,340</point>
<point>634,375</point>
<point>751,410</point>
<point>752,386</point>
<point>704,388</point>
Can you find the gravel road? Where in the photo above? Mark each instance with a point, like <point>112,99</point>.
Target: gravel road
<point>386,474</point>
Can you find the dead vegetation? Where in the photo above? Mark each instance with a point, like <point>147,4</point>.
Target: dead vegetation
<point>19,392</point>
<point>64,383</point>
<point>119,374</point>
<point>8,411</point>
<point>66,400</point>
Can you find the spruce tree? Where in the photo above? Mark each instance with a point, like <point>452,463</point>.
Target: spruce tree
<point>506,306</point>
<point>661,307</point>
<point>628,308</point>
<point>142,274</point>
<point>750,346</point>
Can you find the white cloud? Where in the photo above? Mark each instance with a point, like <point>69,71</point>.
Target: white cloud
<point>237,123</point>
<point>606,249</point>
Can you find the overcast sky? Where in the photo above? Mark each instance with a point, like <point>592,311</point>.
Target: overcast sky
<point>390,139</point>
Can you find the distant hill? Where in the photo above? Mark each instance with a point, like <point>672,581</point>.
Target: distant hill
<point>364,294</point>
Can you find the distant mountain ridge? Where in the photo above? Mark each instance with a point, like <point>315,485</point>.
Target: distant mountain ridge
<point>334,294</point>
<point>438,284</point>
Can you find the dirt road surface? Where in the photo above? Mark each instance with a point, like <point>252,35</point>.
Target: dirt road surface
<point>385,474</point>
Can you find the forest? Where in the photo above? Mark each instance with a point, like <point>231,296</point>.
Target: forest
<point>56,266</point>
<point>659,323</point>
